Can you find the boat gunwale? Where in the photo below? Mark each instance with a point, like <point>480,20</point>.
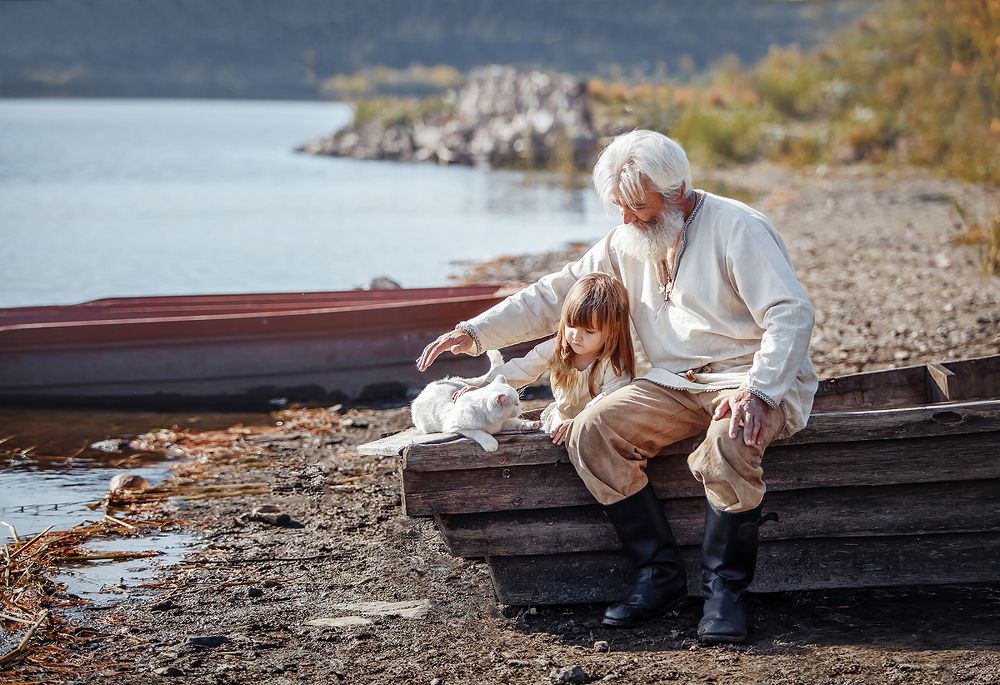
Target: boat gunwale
<point>494,293</point>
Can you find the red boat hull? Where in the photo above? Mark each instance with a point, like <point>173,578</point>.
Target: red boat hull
<point>233,350</point>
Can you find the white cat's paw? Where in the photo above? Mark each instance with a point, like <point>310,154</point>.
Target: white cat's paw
<point>490,445</point>
<point>533,425</point>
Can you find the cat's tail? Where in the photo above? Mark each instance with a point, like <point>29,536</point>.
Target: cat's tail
<point>496,359</point>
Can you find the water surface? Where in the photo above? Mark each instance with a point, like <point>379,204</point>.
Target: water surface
<point>106,198</point>
<point>48,476</point>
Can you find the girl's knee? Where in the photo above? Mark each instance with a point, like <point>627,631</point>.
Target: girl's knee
<point>587,429</point>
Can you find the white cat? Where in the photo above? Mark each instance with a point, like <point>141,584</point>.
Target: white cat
<point>476,414</point>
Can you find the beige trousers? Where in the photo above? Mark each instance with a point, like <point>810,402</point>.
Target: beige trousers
<point>611,441</point>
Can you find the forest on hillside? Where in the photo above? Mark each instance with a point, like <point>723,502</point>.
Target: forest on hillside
<point>259,48</point>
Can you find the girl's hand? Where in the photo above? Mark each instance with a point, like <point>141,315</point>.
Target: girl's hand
<point>561,432</point>
<point>461,391</point>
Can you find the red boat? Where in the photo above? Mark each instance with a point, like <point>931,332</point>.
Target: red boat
<point>233,350</point>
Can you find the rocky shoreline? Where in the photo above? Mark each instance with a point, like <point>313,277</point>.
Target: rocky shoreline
<point>499,117</point>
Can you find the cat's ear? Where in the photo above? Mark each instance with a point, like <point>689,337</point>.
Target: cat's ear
<point>500,378</point>
<point>501,399</point>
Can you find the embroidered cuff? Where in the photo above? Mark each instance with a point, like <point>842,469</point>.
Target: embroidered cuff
<point>474,334</point>
<point>754,391</point>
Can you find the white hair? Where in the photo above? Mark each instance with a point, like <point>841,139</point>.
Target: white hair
<point>637,158</point>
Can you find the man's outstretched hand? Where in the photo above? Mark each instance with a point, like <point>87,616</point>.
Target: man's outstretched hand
<point>749,411</point>
<point>457,341</point>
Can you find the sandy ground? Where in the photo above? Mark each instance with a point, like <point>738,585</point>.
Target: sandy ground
<point>890,289</point>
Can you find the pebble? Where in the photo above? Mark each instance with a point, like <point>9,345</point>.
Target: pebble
<point>414,608</point>
<point>269,514</point>
<point>353,423</point>
<point>169,671</point>
<point>165,605</point>
<point>270,582</point>
<point>602,646</point>
<point>128,481</point>
<point>339,621</point>
<point>205,640</point>
<point>569,674</point>
<point>255,592</point>
<point>112,445</point>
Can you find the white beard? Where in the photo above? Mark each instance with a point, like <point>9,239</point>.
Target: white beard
<point>651,241</point>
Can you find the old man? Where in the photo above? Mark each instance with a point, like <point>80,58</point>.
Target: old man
<point>721,325</point>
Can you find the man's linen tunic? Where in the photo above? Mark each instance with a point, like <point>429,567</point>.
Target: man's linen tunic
<point>736,315</point>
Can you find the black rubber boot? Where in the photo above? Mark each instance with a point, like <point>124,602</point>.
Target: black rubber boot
<point>646,537</point>
<point>728,560</point>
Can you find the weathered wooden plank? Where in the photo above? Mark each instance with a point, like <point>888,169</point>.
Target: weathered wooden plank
<point>939,378</point>
<point>517,449</point>
<point>789,467</point>
<point>904,387</point>
<point>974,378</point>
<point>394,445</point>
<point>588,577</point>
<point>971,506</point>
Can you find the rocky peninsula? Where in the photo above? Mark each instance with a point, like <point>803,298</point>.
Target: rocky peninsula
<point>499,117</point>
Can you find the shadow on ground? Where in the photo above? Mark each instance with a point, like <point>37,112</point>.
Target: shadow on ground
<point>928,618</point>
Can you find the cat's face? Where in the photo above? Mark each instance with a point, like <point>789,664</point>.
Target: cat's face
<point>501,400</point>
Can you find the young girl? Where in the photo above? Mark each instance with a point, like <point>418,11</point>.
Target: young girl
<point>590,356</point>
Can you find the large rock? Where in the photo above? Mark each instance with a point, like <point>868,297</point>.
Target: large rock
<point>499,117</point>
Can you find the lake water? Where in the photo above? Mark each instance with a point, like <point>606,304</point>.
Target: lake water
<point>48,476</point>
<point>106,198</point>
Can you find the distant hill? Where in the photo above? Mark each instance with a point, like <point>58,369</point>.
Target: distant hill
<point>286,48</point>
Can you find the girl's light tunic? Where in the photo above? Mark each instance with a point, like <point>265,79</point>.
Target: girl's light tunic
<point>568,401</point>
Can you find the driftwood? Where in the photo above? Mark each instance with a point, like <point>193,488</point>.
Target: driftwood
<point>22,647</point>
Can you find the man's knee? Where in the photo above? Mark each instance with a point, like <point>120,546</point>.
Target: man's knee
<point>730,472</point>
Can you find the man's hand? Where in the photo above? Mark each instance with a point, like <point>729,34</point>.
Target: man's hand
<point>749,411</point>
<point>561,432</point>
<point>457,341</point>
<point>461,391</point>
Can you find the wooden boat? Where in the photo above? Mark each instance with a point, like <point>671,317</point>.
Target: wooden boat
<point>896,481</point>
<point>232,350</point>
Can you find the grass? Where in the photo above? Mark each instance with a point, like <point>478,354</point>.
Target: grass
<point>416,80</point>
<point>985,234</point>
<point>389,112</point>
<point>914,84</point>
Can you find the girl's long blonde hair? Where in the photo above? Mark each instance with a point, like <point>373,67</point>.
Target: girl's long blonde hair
<point>597,301</point>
